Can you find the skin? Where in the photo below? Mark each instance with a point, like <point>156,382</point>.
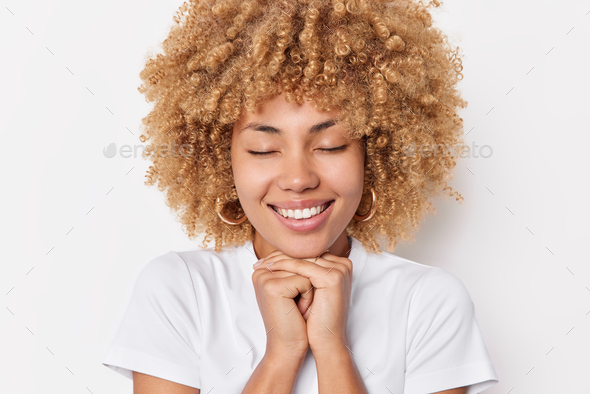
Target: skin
<point>148,384</point>
<point>297,169</point>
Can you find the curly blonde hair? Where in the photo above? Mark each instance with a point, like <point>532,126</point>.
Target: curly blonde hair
<point>382,63</point>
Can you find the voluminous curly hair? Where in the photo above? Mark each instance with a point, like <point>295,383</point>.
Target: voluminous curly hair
<point>382,63</point>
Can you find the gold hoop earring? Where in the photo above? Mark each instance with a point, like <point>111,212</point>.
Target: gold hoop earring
<point>369,214</point>
<point>233,222</point>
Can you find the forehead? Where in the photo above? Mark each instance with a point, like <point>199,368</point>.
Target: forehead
<point>273,130</point>
<point>273,115</point>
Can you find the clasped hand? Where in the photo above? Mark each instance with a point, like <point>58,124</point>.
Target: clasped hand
<point>323,288</point>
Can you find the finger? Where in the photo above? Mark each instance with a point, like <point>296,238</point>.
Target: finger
<point>306,314</point>
<point>335,264</point>
<point>271,256</point>
<point>329,264</point>
<point>301,267</point>
<point>306,297</point>
<point>273,253</point>
<point>307,269</point>
<point>266,274</point>
<point>284,280</point>
<point>296,285</point>
<point>301,289</point>
<point>337,259</point>
<point>326,256</point>
<point>262,275</point>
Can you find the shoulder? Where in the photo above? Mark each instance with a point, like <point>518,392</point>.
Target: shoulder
<point>391,268</point>
<point>194,270</point>
<point>163,267</point>
<point>421,283</point>
<point>440,295</point>
<point>176,267</point>
<point>440,284</point>
<point>164,278</point>
<point>175,262</point>
<point>209,257</point>
<point>444,278</point>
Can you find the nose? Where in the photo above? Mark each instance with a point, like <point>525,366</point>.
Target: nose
<point>297,173</point>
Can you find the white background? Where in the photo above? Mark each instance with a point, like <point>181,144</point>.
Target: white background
<point>77,226</point>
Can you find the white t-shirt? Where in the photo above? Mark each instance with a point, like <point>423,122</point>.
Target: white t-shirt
<point>193,319</point>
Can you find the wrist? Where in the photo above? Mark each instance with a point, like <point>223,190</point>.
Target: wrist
<point>277,354</point>
<point>284,363</point>
<point>330,350</point>
<point>275,373</point>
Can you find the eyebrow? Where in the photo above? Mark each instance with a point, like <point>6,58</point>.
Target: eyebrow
<point>273,130</point>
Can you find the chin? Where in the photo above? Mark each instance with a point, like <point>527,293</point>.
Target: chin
<point>304,252</point>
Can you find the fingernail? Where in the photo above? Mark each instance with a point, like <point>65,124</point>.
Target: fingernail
<point>259,262</point>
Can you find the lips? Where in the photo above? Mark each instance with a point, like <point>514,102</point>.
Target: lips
<point>304,225</point>
<point>277,210</point>
<point>300,204</point>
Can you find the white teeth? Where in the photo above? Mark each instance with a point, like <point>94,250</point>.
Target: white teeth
<point>301,213</point>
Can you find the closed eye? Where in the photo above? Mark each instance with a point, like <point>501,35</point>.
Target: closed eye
<point>334,149</point>
<point>326,150</point>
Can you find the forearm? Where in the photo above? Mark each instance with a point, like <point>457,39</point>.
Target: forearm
<point>274,374</point>
<point>337,372</point>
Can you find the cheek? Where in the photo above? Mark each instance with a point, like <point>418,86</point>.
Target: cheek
<point>251,180</point>
<point>346,181</point>
<point>240,176</point>
<point>347,175</point>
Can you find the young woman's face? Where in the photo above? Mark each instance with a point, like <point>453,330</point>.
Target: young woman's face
<point>298,172</point>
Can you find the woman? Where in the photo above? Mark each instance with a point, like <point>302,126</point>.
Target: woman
<point>298,116</point>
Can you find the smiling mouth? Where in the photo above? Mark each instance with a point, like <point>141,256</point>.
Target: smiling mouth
<point>303,214</point>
